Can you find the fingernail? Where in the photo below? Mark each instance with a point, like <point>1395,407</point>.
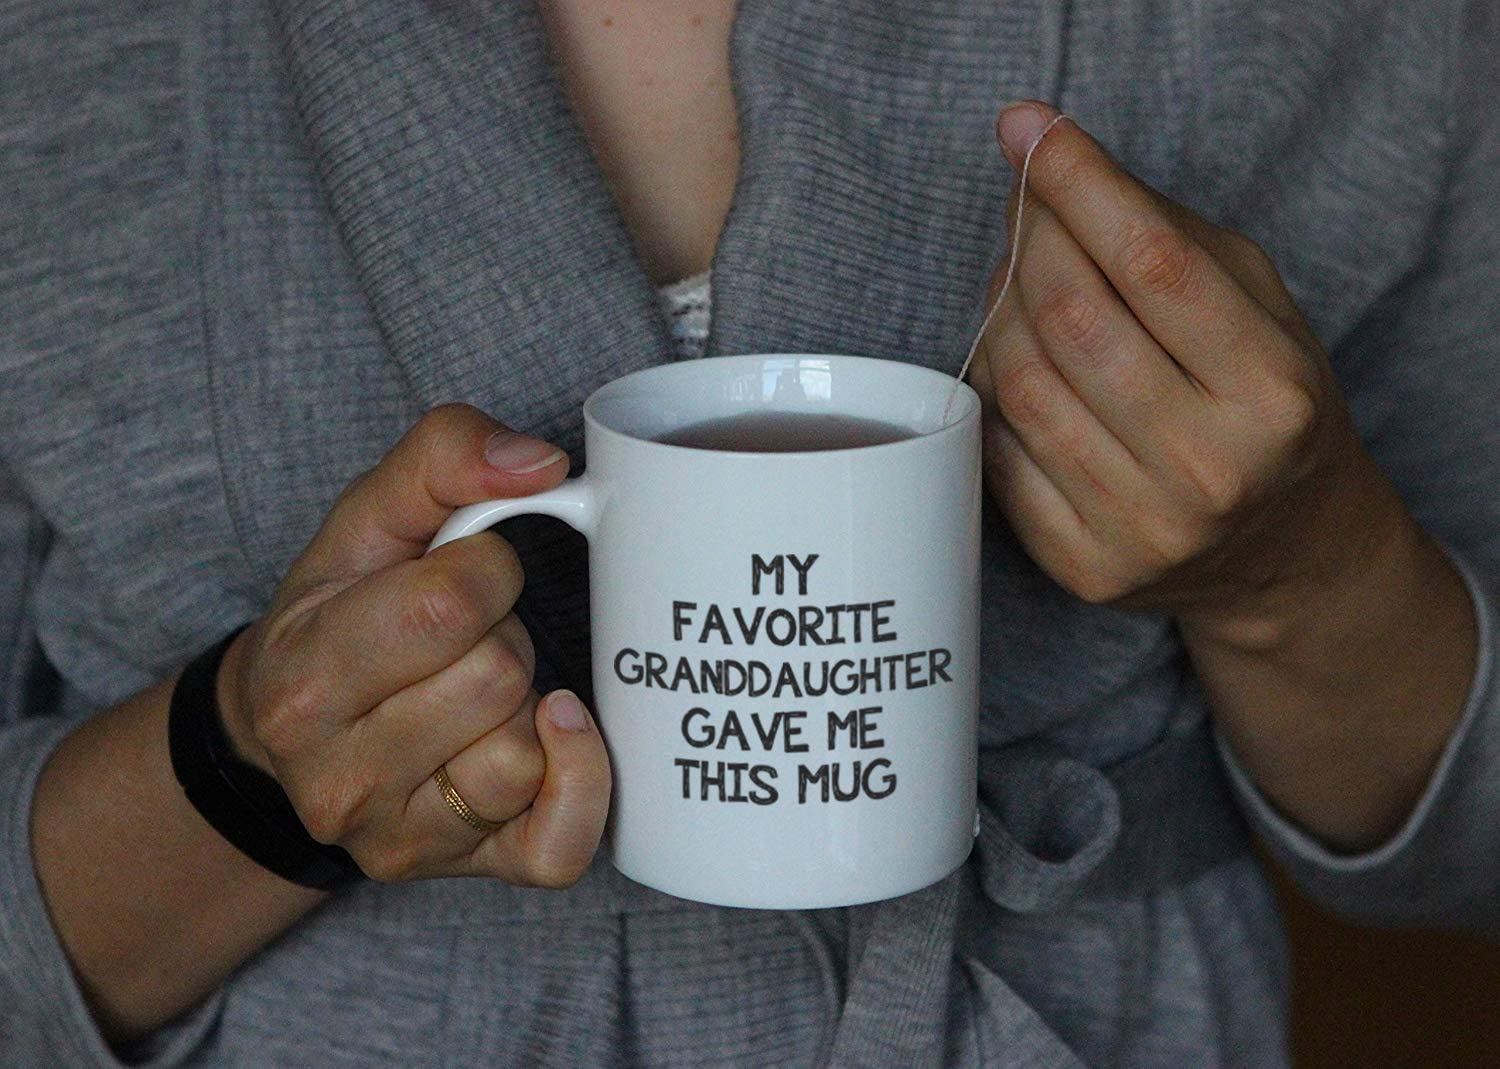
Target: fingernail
<point>1020,125</point>
<point>566,711</point>
<point>519,453</point>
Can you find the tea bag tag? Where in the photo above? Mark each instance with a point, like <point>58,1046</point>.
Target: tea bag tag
<point>1010,270</point>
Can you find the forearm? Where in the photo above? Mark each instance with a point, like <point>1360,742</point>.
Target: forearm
<point>1339,708</point>
<point>153,908</point>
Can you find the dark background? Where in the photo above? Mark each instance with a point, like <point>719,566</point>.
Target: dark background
<point>1372,999</point>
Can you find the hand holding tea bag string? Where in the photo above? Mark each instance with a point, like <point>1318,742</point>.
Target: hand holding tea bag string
<point>1164,432</point>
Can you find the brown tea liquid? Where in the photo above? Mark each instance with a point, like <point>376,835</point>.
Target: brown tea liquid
<point>786,432</point>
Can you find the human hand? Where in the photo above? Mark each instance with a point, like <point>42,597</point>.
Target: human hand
<point>1162,428</point>
<point>376,665</point>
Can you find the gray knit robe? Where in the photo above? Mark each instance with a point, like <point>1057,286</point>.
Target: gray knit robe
<point>244,245</point>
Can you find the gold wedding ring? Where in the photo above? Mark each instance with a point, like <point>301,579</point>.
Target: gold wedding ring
<point>458,805</point>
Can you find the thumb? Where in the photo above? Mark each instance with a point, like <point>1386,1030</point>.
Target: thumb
<point>454,455</point>
<point>553,843</point>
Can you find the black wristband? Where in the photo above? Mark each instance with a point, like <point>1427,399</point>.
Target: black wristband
<point>242,803</point>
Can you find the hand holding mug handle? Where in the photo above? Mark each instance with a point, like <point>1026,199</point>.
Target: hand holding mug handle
<point>423,662</point>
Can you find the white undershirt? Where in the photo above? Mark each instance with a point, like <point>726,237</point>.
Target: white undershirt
<point>687,303</point>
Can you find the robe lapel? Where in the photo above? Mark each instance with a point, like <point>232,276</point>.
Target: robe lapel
<point>479,226</point>
<point>870,208</point>
<point>407,214</point>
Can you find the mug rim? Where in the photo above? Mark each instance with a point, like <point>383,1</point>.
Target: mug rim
<point>964,398</point>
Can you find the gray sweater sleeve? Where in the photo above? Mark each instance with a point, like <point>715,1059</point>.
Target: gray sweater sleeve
<point>1422,374</point>
<point>43,1018</point>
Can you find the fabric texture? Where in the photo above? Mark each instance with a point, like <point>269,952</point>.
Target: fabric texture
<point>242,247</point>
<point>687,305</point>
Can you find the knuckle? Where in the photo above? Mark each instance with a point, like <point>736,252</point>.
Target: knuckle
<point>1085,571</point>
<point>1068,167</point>
<point>441,604</point>
<point>513,633</point>
<point>1251,253</point>
<point>353,489</point>
<point>390,863</point>
<point>322,819</point>
<point>1221,486</point>
<point>1067,316</point>
<point>1026,392</point>
<point>380,868</point>
<point>440,421</point>
<point>284,721</point>
<point>543,870</point>
<point>1073,441</point>
<point>1174,540</point>
<point>1158,260</point>
<point>505,563</point>
<point>501,672</point>
<point>1293,411</point>
<point>436,429</point>
<point>520,767</point>
<point>1245,336</point>
<point>332,809</point>
<point>1098,586</point>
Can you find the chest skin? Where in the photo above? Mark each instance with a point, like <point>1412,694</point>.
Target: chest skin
<point>650,85</point>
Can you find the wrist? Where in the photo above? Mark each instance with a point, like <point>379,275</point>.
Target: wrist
<point>243,803</point>
<point>1347,575</point>
<point>1341,707</point>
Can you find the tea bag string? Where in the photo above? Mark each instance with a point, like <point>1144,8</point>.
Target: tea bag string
<point>1010,270</point>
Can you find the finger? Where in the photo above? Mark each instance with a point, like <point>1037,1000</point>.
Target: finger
<point>552,843</point>
<point>1096,343</point>
<point>1045,521</point>
<point>503,771</point>
<point>454,455</point>
<point>419,835</point>
<point>497,776</point>
<point>418,728</point>
<point>1078,454</point>
<point>1029,500</point>
<point>1190,303</point>
<point>389,630</point>
<point>1247,263</point>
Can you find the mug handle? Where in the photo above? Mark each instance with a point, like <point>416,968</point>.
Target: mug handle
<point>573,502</point>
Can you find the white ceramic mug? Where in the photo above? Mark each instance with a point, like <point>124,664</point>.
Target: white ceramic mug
<point>784,644</point>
